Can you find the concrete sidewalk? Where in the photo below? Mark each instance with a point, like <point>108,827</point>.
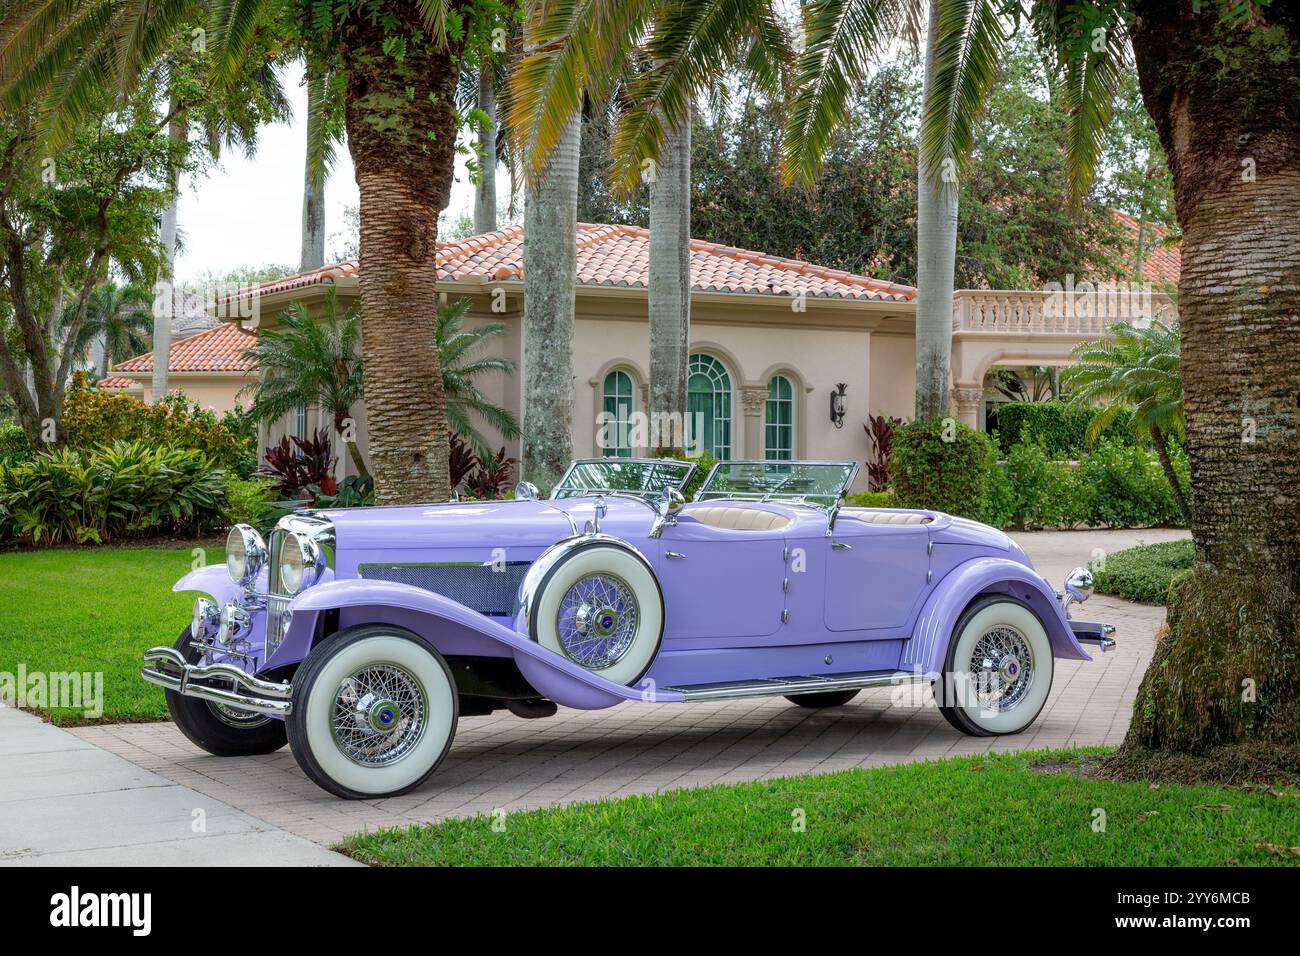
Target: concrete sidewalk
<point>66,802</point>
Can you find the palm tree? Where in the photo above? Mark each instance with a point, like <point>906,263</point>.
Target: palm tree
<point>311,361</point>
<point>485,191</point>
<point>400,60</point>
<point>669,285</point>
<point>117,323</point>
<point>465,400</point>
<point>1136,369</point>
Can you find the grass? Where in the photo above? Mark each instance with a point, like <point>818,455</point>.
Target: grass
<point>1144,573</point>
<point>991,810</point>
<point>95,610</point>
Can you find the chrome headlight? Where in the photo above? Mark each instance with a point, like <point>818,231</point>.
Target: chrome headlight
<point>232,620</point>
<point>204,619</point>
<point>301,563</point>
<point>245,554</point>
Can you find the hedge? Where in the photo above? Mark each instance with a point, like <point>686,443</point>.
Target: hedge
<point>1061,428</point>
<point>942,465</point>
<point>1144,573</point>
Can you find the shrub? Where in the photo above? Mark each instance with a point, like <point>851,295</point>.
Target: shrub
<point>1125,487</point>
<point>880,432</point>
<point>126,489</point>
<point>491,479</point>
<point>247,500</point>
<point>294,468</point>
<point>1030,489</point>
<point>1061,429</point>
<point>94,418</point>
<point>354,491</point>
<point>871,499</point>
<point>941,465</point>
<point>13,442</point>
<point>1145,573</point>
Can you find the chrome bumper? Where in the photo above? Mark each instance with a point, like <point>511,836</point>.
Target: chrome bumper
<point>1098,635</point>
<point>218,683</point>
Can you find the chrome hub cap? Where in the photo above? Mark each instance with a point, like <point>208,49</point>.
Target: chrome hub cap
<point>380,714</point>
<point>597,620</point>
<point>1002,666</point>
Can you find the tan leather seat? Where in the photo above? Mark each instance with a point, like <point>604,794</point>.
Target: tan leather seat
<point>735,518</point>
<point>884,517</point>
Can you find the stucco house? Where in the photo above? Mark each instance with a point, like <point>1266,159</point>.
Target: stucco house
<point>772,340</point>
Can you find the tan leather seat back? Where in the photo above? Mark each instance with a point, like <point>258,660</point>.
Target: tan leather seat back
<point>884,517</point>
<point>736,518</point>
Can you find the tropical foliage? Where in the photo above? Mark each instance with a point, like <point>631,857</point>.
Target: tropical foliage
<point>118,319</point>
<point>462,370</point>
<point>1135,370</point>
<point>126,489</point>
<point>311,361</point>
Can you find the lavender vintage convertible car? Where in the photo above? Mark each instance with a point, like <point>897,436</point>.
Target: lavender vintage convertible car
<point>362,635</point>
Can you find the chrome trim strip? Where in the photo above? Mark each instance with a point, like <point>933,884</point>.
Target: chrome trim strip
<point>167,668</point>
<point>810,684</point>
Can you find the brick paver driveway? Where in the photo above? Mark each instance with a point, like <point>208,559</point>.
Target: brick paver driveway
<point>505,762</point>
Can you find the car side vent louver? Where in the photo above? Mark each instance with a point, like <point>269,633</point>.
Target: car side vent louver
<point>490,589</point>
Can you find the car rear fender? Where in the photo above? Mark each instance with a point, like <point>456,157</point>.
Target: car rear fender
<point>928,648</point>
<point>452,628</point>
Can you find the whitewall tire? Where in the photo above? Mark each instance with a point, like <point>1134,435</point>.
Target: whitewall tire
<point>374,712</point>
<point>600,606</point>
<point>999,668</point>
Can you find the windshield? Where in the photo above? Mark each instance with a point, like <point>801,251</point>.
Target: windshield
<point>813,482</point>
<point>644,477</point>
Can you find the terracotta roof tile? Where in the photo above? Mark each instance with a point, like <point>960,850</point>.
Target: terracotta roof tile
<point>1163,264</point>
<point>112,382</point>
<point>619,256</point>
<point>216,350</point>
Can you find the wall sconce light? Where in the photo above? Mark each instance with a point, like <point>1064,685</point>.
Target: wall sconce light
<point>838,404</point>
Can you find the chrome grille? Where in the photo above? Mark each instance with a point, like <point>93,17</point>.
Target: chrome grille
<point>277,603</point>
<point>490,589</point>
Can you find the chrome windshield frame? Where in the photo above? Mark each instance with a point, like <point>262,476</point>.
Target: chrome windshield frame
<point>582,491</point>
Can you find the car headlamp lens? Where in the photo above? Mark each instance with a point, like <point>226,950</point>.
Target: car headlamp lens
<point>299,563</point>
<point>245,554</point>
<point>203,620</point>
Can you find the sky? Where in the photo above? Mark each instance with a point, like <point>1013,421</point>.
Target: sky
<point>248,212</point>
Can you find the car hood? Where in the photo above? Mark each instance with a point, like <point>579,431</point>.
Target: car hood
<point>449,524</point>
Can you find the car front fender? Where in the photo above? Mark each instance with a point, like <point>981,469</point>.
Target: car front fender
<point>213,580</point>
<point>928,648</point>
<point>436,617</point>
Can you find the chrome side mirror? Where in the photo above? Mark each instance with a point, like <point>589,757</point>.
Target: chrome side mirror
<point>1078,588</point>
<point>666,506</point>
<point>527,491</point>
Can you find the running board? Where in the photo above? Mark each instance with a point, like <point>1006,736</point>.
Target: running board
<point>786,686</point>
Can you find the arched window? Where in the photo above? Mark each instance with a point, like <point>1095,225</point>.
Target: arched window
<point>616,424</point>
<point>708,405</point>
<point>778,436</point>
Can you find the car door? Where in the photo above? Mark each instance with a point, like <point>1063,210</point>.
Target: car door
<point>874,573</point>
<point>719,583</point>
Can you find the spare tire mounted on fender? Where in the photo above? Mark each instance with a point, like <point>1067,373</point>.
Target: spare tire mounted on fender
<point>598,603</point>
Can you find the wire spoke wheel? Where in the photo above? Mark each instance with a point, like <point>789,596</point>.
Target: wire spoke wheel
<point>380,713</point>
<point>1001,668</point>
<point>597,620</point>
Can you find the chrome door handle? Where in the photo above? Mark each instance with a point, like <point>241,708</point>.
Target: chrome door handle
<point>841,546</point>
<point>673,554</point>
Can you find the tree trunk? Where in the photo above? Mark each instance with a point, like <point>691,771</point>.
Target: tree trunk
<point>550,273</point>
<point>354,452</point>
<point>178,130</point>
<point>485,193</point>
<point>401,125</point>
<point>670,288</point>
<point>1161,441</point>
<point>312,249</point>
<point>1226,677</point>
<point>936,256</point>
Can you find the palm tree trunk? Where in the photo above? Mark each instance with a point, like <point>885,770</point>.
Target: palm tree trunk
<point>312,248</point>
<point>550,274</point>
<point>354,452</point>
<point>1227,677</point>
<point>401,125</point>
<point>1161,441</point>
<point>936,256</point>
<point>485,193</point>
<point>670,288</point>
<point>178,130</point>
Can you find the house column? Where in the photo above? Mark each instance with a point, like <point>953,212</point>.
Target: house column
<point>753,400</point>
<point>968,397</point>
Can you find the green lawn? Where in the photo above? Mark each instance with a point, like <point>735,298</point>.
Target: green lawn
<point>991,810</point>
<point>96,610</point>
<point>1144,573</point>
